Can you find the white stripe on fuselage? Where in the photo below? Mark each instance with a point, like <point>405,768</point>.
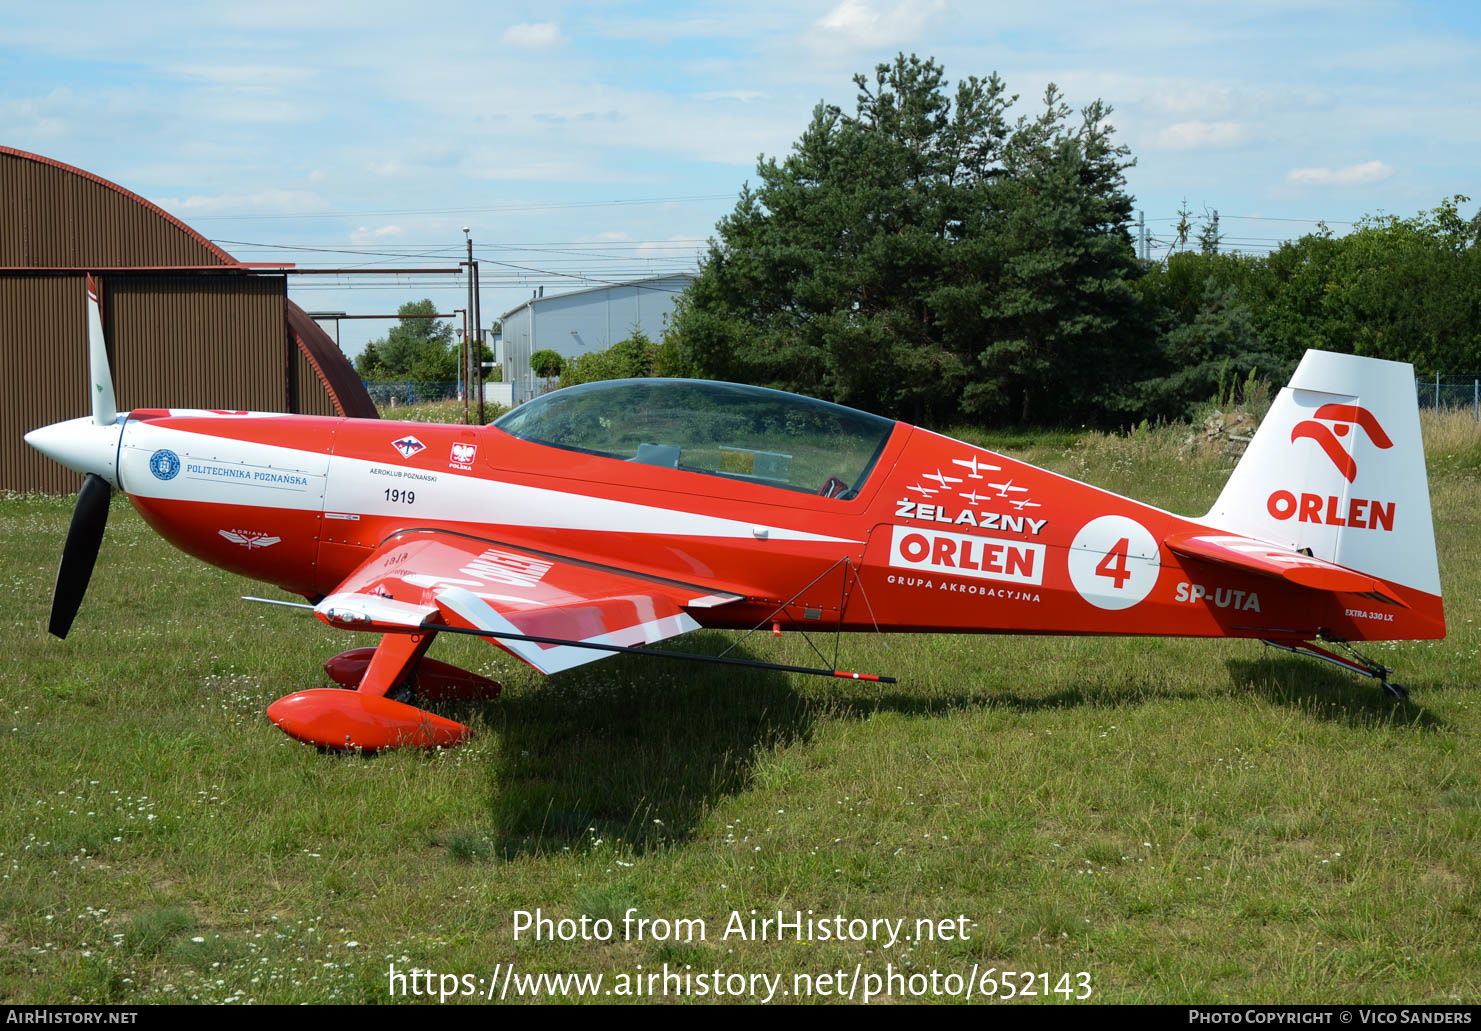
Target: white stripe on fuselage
<point>236,472</point>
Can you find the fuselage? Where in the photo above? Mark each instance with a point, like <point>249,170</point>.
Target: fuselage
<point>928,540</point>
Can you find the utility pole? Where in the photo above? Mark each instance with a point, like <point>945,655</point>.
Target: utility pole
<point>1216,230</point>
<point>478,336</point>
<point>463,346</point>
<point>1141,235</point>
<point>466,340</point>
<point>463,360</point>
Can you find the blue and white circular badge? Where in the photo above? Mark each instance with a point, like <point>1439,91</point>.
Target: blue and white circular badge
<point>164,464</point>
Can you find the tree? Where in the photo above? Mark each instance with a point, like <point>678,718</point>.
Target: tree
<point>547,363</point>
<point>1199,354</point>
<point>627,359</point>
<point>1404,289</point>
<point>925,257</point>
<point>1410,290</point>
<point>417,348</point>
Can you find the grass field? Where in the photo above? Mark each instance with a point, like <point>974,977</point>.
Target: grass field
<point>440,411</point>
<point>1185,821</point>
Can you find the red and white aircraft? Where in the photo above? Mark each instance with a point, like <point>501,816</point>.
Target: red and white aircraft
<point>604,517</point>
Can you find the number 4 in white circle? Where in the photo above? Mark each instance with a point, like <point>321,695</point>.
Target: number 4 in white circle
<point>1113,562</point>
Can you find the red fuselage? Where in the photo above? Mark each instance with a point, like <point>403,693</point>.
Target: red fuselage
<point>940,535</point>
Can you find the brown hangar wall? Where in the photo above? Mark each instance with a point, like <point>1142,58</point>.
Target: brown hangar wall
<point>197,342</point>
<point>212,334</point>
<point>43,374</point>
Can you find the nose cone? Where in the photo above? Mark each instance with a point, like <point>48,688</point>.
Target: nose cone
<point>81,445</point>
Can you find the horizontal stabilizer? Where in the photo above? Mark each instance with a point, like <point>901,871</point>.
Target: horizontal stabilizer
<point>1270,560</point>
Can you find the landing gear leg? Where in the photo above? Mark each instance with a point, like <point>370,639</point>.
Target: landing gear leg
<point>1358,663</point>
<point>428,679</point>
<point>392,669</point>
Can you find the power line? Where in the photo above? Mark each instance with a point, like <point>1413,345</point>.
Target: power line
<point>625,202</point>
<point>1271,218</point>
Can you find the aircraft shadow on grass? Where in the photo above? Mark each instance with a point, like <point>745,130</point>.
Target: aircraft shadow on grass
<point>637,752</point>
<point>1330,694</point>
<point>640,751</point>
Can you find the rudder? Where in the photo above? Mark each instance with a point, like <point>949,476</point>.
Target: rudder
<point>1337,467</point>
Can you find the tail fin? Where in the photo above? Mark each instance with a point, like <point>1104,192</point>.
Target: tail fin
<point>1337,467</point>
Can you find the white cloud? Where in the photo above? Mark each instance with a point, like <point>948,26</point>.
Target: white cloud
<point>1184,98</point>
<point>675,247</point>
<point>1352,175</point>
<point>857,23</point>
<point>533,35</point>
<point>264,75</point>
<point>1198,135</point>
<point>247,105</point>
<point>745,96</point>
<point>39,118</point>
<point>365,234</point>
<point>530,164</point>
<point>262,202</point>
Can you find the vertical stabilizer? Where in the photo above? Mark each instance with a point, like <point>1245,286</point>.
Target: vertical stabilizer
<point>1337,467</point>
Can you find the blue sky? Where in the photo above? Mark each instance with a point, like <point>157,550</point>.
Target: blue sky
<point>597,142</point>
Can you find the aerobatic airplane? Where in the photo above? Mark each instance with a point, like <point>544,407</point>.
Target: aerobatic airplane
<point>605,517</point>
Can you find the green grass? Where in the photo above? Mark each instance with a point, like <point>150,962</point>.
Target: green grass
<point>1185,820</point>
<point>440,411</point>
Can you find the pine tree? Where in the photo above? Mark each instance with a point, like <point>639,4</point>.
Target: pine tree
<point>924,257</point>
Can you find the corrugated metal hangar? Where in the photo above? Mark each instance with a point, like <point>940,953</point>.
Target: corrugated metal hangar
<point>188,325</point>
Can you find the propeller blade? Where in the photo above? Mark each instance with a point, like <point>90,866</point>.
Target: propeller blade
<point>84,537</point>
<point>105,408</point>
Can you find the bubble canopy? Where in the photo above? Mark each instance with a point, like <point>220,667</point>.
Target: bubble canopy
<point>732,430</point>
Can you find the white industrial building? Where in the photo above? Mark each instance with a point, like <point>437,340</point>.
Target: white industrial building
<point>578,322</point>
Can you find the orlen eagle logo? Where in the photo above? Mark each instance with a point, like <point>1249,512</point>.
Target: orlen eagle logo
<point>1359,513</point>
<point>1344,417</point>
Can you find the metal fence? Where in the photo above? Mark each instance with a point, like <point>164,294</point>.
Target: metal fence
<point>390,393</point>
<point>1450,393</point>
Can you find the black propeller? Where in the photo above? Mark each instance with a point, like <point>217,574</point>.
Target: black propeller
<point>84,536</point>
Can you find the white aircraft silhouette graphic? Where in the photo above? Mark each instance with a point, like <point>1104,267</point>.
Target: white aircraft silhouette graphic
<point>941,478</point>
<point>975,467</point>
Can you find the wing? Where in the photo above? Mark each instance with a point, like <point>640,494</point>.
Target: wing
<point>428,576</point>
